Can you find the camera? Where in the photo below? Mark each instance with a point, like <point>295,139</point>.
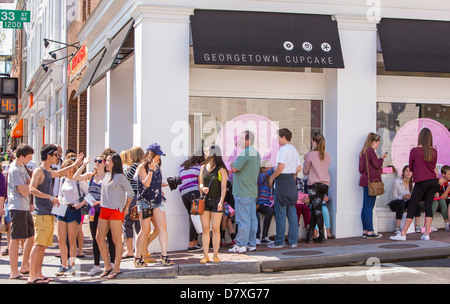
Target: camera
<point>174,182</point>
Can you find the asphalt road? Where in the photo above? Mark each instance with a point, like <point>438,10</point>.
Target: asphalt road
<point>434,271</point>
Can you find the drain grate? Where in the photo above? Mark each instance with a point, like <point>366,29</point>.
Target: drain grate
<point>398,246</point>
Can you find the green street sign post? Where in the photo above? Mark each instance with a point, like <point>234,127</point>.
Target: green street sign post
<point>14,19</point>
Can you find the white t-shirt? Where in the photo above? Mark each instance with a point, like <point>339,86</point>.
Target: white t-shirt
<point>288,156</point>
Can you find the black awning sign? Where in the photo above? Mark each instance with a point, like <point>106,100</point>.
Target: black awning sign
<point>268,39</point>
<point>410,45</point>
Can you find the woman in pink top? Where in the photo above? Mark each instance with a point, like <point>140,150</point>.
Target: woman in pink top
<point>422,162</point>
<point>316,166</point>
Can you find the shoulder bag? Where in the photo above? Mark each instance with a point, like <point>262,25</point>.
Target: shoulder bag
<point>85,208</point>
<point>376,188</point>
<point>198,204</point>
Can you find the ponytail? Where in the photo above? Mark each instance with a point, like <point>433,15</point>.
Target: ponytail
<point>320,140</point>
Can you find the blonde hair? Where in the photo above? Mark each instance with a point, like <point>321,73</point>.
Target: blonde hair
<point>371,137</point>
<point>136,154</point>
<point>125,156</point>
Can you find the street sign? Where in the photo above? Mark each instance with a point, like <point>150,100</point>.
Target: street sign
<point>14,18</point>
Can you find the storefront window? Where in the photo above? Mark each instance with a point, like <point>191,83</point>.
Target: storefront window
<point>220,121</point>
<point>398,125</point>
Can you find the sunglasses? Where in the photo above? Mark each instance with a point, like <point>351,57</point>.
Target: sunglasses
<point>53,153</point>
<point>99,161</point>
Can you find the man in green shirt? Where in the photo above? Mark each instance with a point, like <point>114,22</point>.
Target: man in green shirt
<point>245,190</point>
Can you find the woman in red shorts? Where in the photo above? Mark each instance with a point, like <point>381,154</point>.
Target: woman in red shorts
<point>112,213</point>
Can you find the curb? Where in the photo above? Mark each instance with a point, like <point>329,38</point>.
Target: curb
<point>353,259</point>
<point>275,264</point>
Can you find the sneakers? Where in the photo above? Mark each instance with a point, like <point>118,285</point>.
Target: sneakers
<point>250,248</point>
<point>63,271</point>
<point>425,237</point>
<point>94,270</point>
<point>265,241</point>
<point>398,237</point>
<point>237,249</point>
<point>272,245</point>
<point>397,230</point>
<point>418,229</point>
<point>373,236</point>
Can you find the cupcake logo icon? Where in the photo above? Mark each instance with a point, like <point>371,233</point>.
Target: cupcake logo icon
<point>307,46</point>
<point>289,46</point>
<point>326,47</point>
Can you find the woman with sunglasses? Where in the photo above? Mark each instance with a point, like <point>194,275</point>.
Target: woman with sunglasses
<point>95,179</point>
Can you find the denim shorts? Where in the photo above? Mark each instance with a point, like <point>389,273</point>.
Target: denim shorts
<point>160,206</point>
<point>71,216</point>
<point>211,205</point>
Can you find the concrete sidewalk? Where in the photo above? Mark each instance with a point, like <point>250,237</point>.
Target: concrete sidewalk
<point>339,252</point>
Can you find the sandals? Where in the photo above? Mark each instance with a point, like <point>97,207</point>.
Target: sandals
<point>149,259</point>
<point>139,263</point>
<point>166,261</point>
<point>113,275</point>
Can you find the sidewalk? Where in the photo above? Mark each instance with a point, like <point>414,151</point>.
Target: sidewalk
<point>338,252</point>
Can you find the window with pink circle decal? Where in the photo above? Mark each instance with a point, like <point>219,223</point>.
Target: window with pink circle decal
<point>399,125</point>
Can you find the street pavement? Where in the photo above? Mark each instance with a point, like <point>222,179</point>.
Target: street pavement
<point>332,253</point>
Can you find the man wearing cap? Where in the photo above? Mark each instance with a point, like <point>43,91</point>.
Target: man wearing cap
<point>245,190</point>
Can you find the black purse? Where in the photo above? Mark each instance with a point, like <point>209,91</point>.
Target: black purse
<point>85,208</point>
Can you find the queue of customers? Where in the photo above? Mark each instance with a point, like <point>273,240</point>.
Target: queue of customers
<point>124,193</point>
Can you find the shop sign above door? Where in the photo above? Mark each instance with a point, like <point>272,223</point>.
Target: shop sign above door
<point>265,39</point>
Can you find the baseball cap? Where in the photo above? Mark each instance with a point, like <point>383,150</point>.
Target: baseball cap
<point>156,149</point>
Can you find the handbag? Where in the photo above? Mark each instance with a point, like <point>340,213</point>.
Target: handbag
<point>3,227</point>
<point>134,215</point>
<point>85,208</point>
<point>376,188</point>
<point>198,204</point>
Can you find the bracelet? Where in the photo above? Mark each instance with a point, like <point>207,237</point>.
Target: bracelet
<point>51,198</point>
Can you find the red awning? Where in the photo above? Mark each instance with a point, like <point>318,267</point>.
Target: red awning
<point>18,130</point>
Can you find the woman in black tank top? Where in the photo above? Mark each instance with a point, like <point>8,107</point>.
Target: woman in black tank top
<point>212,183</point>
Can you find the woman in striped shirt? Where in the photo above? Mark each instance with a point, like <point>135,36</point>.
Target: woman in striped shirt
<point>189,172</point>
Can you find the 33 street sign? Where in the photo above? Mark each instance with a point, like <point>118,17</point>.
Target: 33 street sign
<point>14,18</point>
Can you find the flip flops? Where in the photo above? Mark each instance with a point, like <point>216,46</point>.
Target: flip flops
<point>38,281</point>
<point>19,277</point>
<point>113,275</point>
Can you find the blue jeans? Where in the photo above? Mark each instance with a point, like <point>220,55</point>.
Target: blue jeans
<point>367,210</point>
<point>280,219</point>
<point>245,212</point>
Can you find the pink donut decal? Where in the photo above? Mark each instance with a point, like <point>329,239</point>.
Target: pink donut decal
<point>406,139</point>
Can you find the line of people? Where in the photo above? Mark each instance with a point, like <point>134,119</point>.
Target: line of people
<point>132,181</point>
<point>251,187</point>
